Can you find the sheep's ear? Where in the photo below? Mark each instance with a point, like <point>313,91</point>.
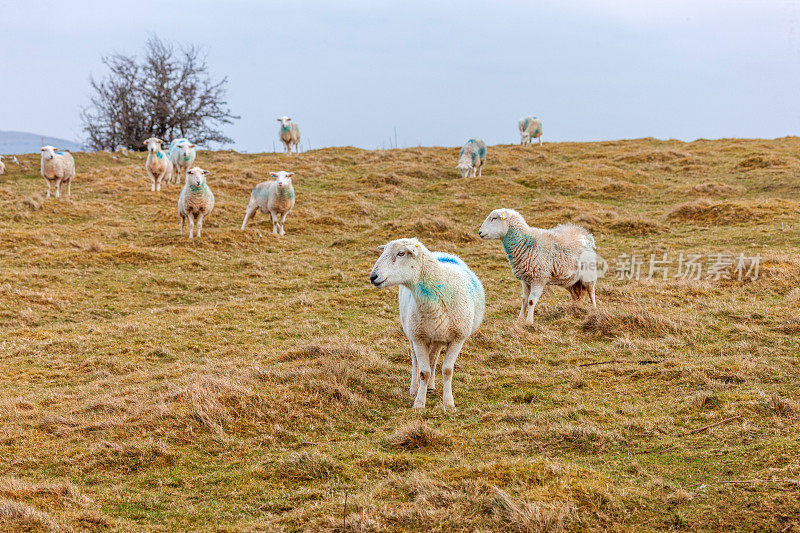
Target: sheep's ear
<point>191,146</point>
<point>290,174</point>
<point>144,143</point>
<point>381,247</point>
<point>43,149</point>
<point>205,172</point>
<point>413,249</point>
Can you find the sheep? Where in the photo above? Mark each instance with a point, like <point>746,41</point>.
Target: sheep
<point>564,256</point>
<point>442,303</point>
<point>530,128</point>
<point>196,200</point>
<point>273,197</point>
<point>59,167</point>
<point>2,166</point>
<point>289,134</point>
<point>182,154</point>
<point>471,158</point>
<point>158,164</point>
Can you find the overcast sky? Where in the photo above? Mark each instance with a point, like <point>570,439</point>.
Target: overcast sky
<point>349,72</point>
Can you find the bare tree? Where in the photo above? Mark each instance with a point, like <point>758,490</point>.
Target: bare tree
<point>168,93</point>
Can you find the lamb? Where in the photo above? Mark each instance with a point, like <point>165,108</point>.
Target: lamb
<point>290,134</point>
<point>471,158</point>
<point>530,128</point>
<point>182,154</point>
<point>442,303</point>
<point>564,256</point>
<point>58,167</point>
<point>273,197</point>
<point>196,200</point>
<point>158,164</point>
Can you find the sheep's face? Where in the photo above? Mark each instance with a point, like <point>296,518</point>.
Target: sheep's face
<point>465,169</point>
<point>284,179</point>
<point>496,224</point>
<point>284,121</point>
<point>48,152</point>
<point>526,136</point>
<point>196,176</point>
<point>185,151</point>
<point>153,144</point>
<point>397,264</point>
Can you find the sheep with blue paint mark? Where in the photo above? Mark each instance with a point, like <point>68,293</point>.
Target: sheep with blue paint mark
<point>196,200</point>
<point>471,158</point>
<point>158,165</point>
<point>289,134</point>
<point>530,128</point>
<point>442,303</point>
<point>275,198</point>
<point>58,167</point>
<point>182,154</point>
<point>565,256</point>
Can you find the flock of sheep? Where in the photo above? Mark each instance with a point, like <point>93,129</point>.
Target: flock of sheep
<point>441,300</point>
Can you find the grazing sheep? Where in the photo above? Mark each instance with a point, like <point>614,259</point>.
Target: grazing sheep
<point>2,166</point>
<point>158,164</point>
<point>564,256</point>
<point>58,167</point>
<point>273,197</point>
<point>471,158</point>
<point>196,200</point>
<point>441,304</point>
<point>182,154</point>
<point>530,128</point>
<point>290,134</point>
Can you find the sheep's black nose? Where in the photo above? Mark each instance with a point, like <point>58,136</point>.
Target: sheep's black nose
<point>373,277</point>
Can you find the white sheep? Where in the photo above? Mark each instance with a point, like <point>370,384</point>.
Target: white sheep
<point>273,197</point>
<point>196,200</point>
<point>289,134</point>
<point>442,303</point>
<point>158,164</point>
<point>564,256</point>
<point>530,128</point>
<point>471,158</point>
<point>58,167</point>
<point>182,154</point>
<point>2,166</point>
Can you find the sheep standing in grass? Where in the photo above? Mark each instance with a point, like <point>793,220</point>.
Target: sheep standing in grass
<point>530,128</point>
<point>273,197</point>
<point>182,154</point>
<point>196,200</point>
<point>2,166</point>
<point>290,134</point>
<point>471,158</point>
<point>441,304</point>
<point>564,256</point>
<point>158,164</point>
<point>57,167</point>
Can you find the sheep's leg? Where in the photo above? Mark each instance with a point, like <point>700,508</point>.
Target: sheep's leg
<point>414,373</point>
<point>251,210</point>
<point>199,224</point>
<point>48,187</point>
<point>591,294</point>
<point>191,227</point>
<point>274,222</point>
<point>480,170</point>
<point>183,221</point>
<point>526,291</point>
<point>424,371</point>
<point>282,221</point>
<point>69,188</point>
<point>58,188</point>
<point>540,140</point>
<point>450,355</point>
<point>434,358</point>
<point>533,297</point>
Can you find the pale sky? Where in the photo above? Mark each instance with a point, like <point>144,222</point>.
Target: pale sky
<point>349,72</point>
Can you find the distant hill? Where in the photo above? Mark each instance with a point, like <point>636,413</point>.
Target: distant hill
<point>20,142</point>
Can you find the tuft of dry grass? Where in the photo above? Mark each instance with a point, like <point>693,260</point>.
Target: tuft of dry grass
<point>415,435</point>
<point>18,516</point>
<point>531,517</point>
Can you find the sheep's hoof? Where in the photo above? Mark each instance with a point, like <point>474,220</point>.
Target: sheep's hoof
<point>419,405</point>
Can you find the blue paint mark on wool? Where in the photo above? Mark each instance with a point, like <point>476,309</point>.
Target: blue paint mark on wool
<point>448,259</point>
<point>514,240</point>
<point>286,128</point>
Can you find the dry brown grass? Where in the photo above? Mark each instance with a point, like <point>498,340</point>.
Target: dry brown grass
<point>243,382</point>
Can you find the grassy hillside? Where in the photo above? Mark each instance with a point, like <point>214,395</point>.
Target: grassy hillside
<point>248,382</point>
